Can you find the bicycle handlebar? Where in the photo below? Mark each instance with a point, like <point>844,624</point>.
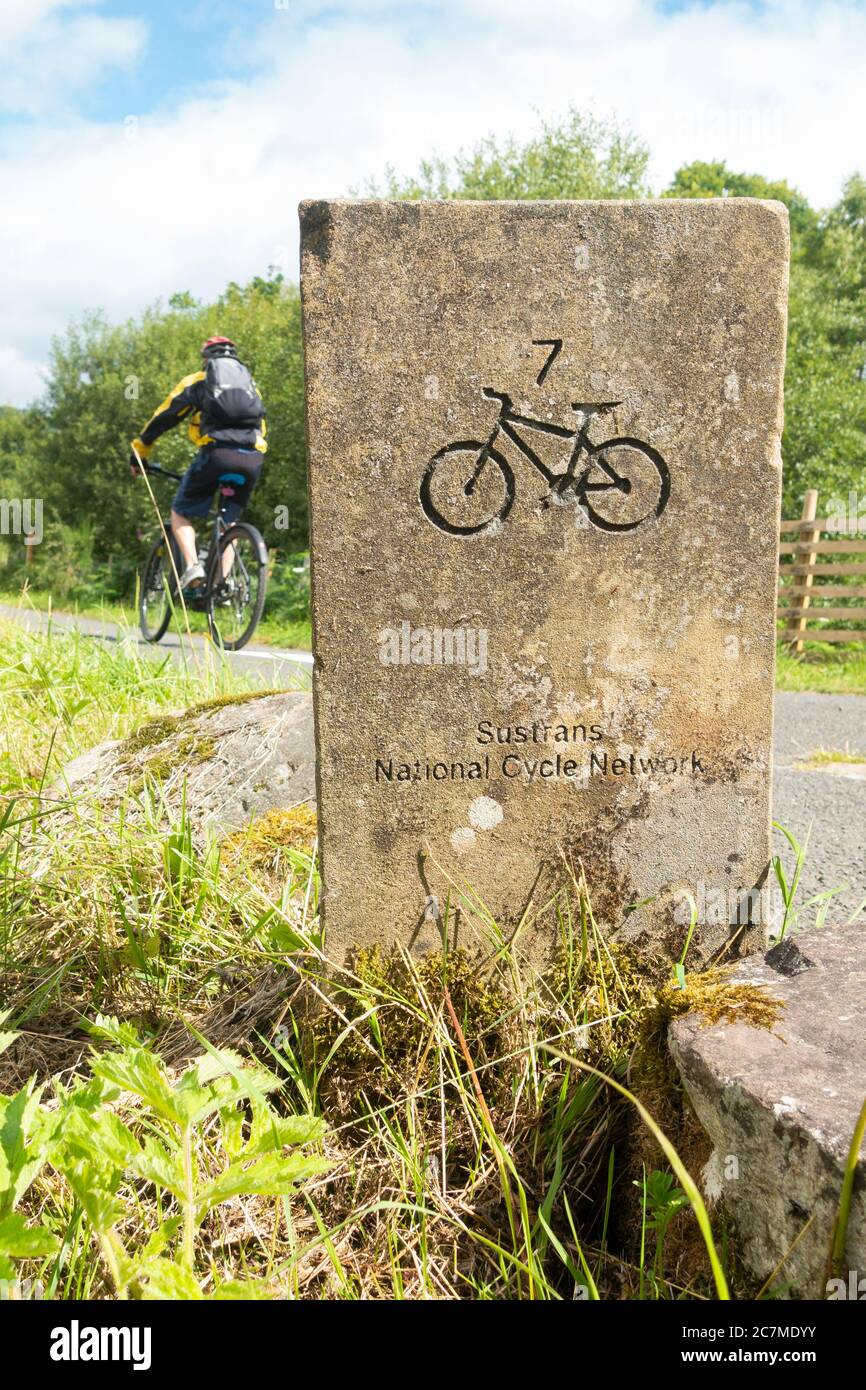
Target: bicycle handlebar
<point>162,472</point>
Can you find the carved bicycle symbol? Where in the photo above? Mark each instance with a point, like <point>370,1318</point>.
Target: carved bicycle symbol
<point>469,487</point>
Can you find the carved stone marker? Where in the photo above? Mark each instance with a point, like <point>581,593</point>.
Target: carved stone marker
<point>544,482</point>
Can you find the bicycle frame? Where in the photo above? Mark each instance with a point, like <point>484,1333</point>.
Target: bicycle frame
<point>558,482</point>
<point>217,531</point>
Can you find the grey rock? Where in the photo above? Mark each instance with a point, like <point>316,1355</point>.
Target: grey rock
<point>781,1109</point>
<point>227,765</point>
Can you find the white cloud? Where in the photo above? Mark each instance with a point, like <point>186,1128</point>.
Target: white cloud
<point>207,191</point>
<point>50,53</point>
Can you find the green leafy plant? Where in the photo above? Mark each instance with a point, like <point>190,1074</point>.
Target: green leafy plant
<point>200,1140</point>
<point>663,1199</point>
<point>26,1133</point>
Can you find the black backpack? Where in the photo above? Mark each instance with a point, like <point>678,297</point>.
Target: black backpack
<point>230,400</point>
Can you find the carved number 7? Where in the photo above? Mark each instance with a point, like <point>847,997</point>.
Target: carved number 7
<point>555,344</point>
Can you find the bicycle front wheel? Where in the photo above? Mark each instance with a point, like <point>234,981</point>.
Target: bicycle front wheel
<point>236,593</point>
<point>155,592</point>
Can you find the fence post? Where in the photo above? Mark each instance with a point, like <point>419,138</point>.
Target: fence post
<point>808,534</point>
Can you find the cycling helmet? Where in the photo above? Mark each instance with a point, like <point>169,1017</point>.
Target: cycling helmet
<point>218,347</point>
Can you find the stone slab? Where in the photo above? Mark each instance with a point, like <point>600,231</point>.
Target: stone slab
<point>220,767</point>
<point>784,1106</point>
<point>618,632</point>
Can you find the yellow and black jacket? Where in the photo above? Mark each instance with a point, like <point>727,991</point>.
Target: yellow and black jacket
<point>185,403</point>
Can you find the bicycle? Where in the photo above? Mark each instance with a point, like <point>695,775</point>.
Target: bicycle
<point>236,570</point>
<point>615,496</point>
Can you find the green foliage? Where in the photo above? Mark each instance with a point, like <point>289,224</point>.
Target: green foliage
<point>578,157</point>
<point>26,1134</point>
<point>824,444</point>
<point>105,380</point>
<point>289,589</point>
<point>476,1153</point>
<point>663,1199</point>
<point>167,1142</point>
<point>20,440</point>
<point>825,392</point>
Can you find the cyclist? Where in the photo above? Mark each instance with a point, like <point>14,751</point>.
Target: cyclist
<point>226,419</point>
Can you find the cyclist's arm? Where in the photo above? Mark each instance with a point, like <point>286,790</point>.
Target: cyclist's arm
<point>262,434</point>
<point>177,404</point>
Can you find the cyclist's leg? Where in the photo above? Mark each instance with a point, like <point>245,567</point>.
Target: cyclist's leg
<point>191,502</point>
<point>242,467</point>
<point>184,534</point>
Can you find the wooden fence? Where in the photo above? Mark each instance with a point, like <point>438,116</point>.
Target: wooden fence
<point>809,571</point>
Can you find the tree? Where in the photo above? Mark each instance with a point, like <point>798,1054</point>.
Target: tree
<point>824,442</point>
<point>578,157</point>
<point>105,380</point>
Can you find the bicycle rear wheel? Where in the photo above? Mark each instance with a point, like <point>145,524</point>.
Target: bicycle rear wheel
<point>462,498</point>
<point>156,592</point>
<point>235,601</point>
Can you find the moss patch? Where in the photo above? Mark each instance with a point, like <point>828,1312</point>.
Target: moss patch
<point>161,746</point>
<point>220,701</point>
<point>166,726</point>
<point>720,1000</point>
<point>258,845</point>
<point>149,735</point>
<point>189,750</point>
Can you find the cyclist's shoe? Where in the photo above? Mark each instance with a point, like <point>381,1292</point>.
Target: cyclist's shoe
<point>193,576</point>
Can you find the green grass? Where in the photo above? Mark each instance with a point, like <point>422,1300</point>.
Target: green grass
<point>462,1128</point>
<point>62,692</point>
<point>826,669</point>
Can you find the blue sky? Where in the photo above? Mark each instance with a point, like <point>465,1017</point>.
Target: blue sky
<point>159,146</point>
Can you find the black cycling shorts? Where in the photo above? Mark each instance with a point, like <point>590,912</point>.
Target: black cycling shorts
<point>235,471</point>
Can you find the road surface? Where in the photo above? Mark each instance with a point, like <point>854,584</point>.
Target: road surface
<point>831,798</point>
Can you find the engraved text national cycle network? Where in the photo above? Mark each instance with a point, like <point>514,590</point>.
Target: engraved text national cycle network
<point>539,764</point>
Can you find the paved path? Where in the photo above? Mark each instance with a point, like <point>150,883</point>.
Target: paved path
<point>831,798</point>
<point>278,666</point>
